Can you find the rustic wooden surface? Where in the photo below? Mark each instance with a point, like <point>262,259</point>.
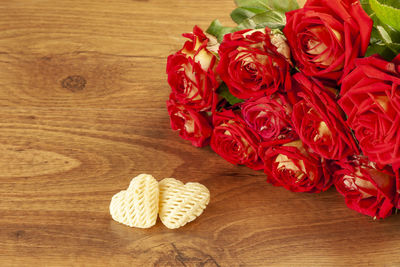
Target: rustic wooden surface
<point>82,111</point>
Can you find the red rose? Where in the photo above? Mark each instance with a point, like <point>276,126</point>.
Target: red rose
<point>294,167</point>
<point>318,120</point>
<point>191,72</point>
<point>269,116</point>
<point>370,97</point>
<point>254,63</point>
<point>192,125</point>
<point>233,140</point>
<point>326,36</point>
<point>366,188</point>
<point>396,170</point>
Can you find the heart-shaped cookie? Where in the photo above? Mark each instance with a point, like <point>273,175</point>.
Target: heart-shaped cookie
<point>138,205</point>
<point>179,203</point>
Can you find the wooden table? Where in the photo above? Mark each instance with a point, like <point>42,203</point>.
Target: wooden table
<point>82,111</point>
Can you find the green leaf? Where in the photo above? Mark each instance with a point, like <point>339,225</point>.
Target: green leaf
<point>223,91</point>
<point>254,14</point>
<point>270,19</point>
<point>385,40</point>
<point>366,6</point>
<point>384,34</point>
<point>395,47</point>
<point>281,6</point>
<point>218,30</point>
<point>392,3</point>
<point>394,34</point>
<point>253,3</point>
<point>243,13</point>
<point>388,11</point>
<point>382,50</point>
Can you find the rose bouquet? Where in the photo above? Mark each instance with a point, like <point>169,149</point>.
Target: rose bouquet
<point>310,95</point>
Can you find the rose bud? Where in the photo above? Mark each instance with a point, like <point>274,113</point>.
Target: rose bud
<point>319,121</point>
<point>269,116</point>
<point>294,167</point>
<point>192,125</point>
<point>254,63</point>
<point>191,72</point>
<point>370,97</point>
<point>233,140</point>
<point>367,189</point>
<point>325,36</point>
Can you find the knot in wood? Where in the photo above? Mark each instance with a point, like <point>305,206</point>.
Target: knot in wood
<point>74,83</point>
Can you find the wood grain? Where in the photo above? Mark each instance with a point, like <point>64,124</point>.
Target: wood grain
<point>82,111</point>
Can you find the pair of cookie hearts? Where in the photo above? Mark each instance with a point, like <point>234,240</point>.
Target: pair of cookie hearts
<point>176,203</point>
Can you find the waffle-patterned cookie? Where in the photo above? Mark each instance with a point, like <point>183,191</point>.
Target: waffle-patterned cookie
<point>138,205</point>
<point>179,203</point>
